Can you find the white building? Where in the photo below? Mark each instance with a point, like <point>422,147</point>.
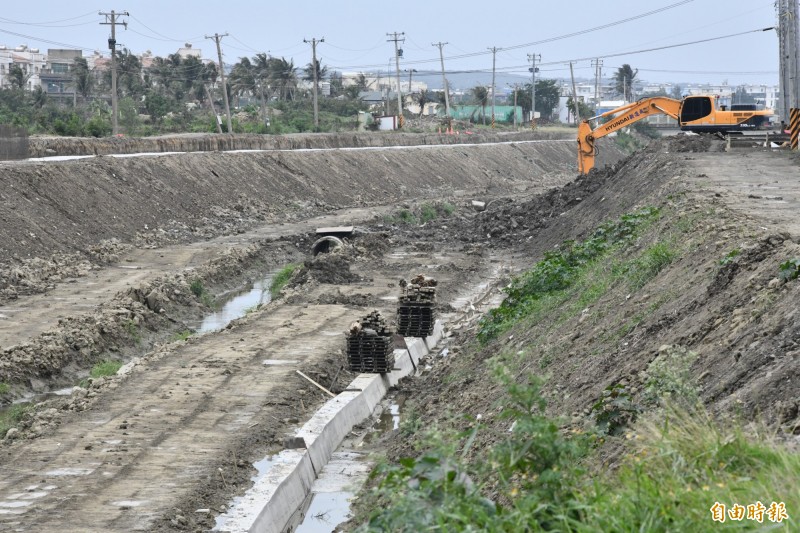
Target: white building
<point>30,60</point>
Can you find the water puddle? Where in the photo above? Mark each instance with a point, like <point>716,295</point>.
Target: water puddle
<point>326,511</point>
<point>333,492</point>
<point>237,306</point>
<point>388,421</point>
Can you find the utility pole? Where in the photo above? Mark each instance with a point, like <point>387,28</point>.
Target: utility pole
<point>411,71</point>
<point>217,38</point>
<point>532,58</point>
<point>598,68</point>
<point>494,50</point>
<point>783,45</point>
<point>444,80</point>
<point>314,42</point>
<point>397,37</point>
<point>574,95</point>
<point>516,90</point>
<point>111,20</point>
<point>217,120</point>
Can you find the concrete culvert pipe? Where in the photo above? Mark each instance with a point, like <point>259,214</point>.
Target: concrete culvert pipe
<point>326,245</point>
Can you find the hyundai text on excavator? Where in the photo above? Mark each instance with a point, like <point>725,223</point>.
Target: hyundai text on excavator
<point>698,114</point>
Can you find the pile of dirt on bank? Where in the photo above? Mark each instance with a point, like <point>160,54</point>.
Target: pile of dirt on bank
<point>331,268</point>
<point>518,222</point>
<point>714,315</point>
<point>688,142</point>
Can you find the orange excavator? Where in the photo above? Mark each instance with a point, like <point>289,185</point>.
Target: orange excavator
<point>698,114</point>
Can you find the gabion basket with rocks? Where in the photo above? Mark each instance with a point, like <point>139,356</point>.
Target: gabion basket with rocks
<point>415,310</point>
<point>370,348</point>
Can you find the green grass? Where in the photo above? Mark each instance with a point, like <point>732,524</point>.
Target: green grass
<point>562,268</point>
<point>4,388</point>
<point>182,335</point>
<point>679,464</point>
<point>105,368</point>
<point>11,416</point>
<point>281,278</point>
<point>427,213</point>
<point>197,288</point>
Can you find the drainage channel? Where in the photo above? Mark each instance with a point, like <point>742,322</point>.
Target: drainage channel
<point>309,488</point>
<point>237,305</point>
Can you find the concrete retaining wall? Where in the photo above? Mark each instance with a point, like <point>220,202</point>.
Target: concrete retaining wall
<point>270,503</point>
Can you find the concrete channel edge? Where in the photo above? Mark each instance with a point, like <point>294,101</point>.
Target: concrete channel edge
<point>268,506</point>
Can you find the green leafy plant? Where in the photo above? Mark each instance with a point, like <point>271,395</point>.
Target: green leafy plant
<point>790,269</point>
<point>197,288</point>
<point>427,213</point>
<point>4,388</point>
<point>614,410</point>
<point>105,368</point>
<point>669,377</point>
<point>730,257</point>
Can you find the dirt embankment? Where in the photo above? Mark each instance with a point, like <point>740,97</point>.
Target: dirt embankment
<point>712,298</point>
<point>203,142</point>
<point>61,218</point>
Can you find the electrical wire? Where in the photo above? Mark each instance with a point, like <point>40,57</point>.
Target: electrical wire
<point>47,41</point>
<point>10,21</point>
<point>534,43</point>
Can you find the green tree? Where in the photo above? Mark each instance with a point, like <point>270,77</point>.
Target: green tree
<point>584,110</point>
<point>676,92</point>
<point>157,106</point>
<point>547,96</point>
<point>623,80</point>
<point>129,116</point>
<point>17,77</point>
<point>82,78</point>
<point>480,95</point>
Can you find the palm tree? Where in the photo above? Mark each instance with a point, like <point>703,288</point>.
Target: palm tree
<point>480,96</point>
<point>82,77</point>
<point>242,79</point>
<point>422,98</point>
<point>624,81</point>
<point>283,76</point>
<point>309,72</point>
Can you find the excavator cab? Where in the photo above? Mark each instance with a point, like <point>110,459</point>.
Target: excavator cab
<point>695,108</point>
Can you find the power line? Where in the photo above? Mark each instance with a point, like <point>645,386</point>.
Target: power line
<point>47,41</point>
<point>548,40</point>
<point>10,21</point>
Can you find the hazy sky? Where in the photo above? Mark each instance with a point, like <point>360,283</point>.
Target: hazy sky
<point>355,33</point>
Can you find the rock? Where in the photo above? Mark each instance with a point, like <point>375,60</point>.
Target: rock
<point>12,434</point>
<point>774,283</point>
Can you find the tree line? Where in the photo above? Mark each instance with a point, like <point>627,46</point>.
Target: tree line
<point>180,94</point>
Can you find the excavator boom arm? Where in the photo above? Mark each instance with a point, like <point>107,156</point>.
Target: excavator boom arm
<point>621,117</point>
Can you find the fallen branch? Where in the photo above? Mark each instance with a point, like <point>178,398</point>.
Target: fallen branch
<point>316,384</point>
